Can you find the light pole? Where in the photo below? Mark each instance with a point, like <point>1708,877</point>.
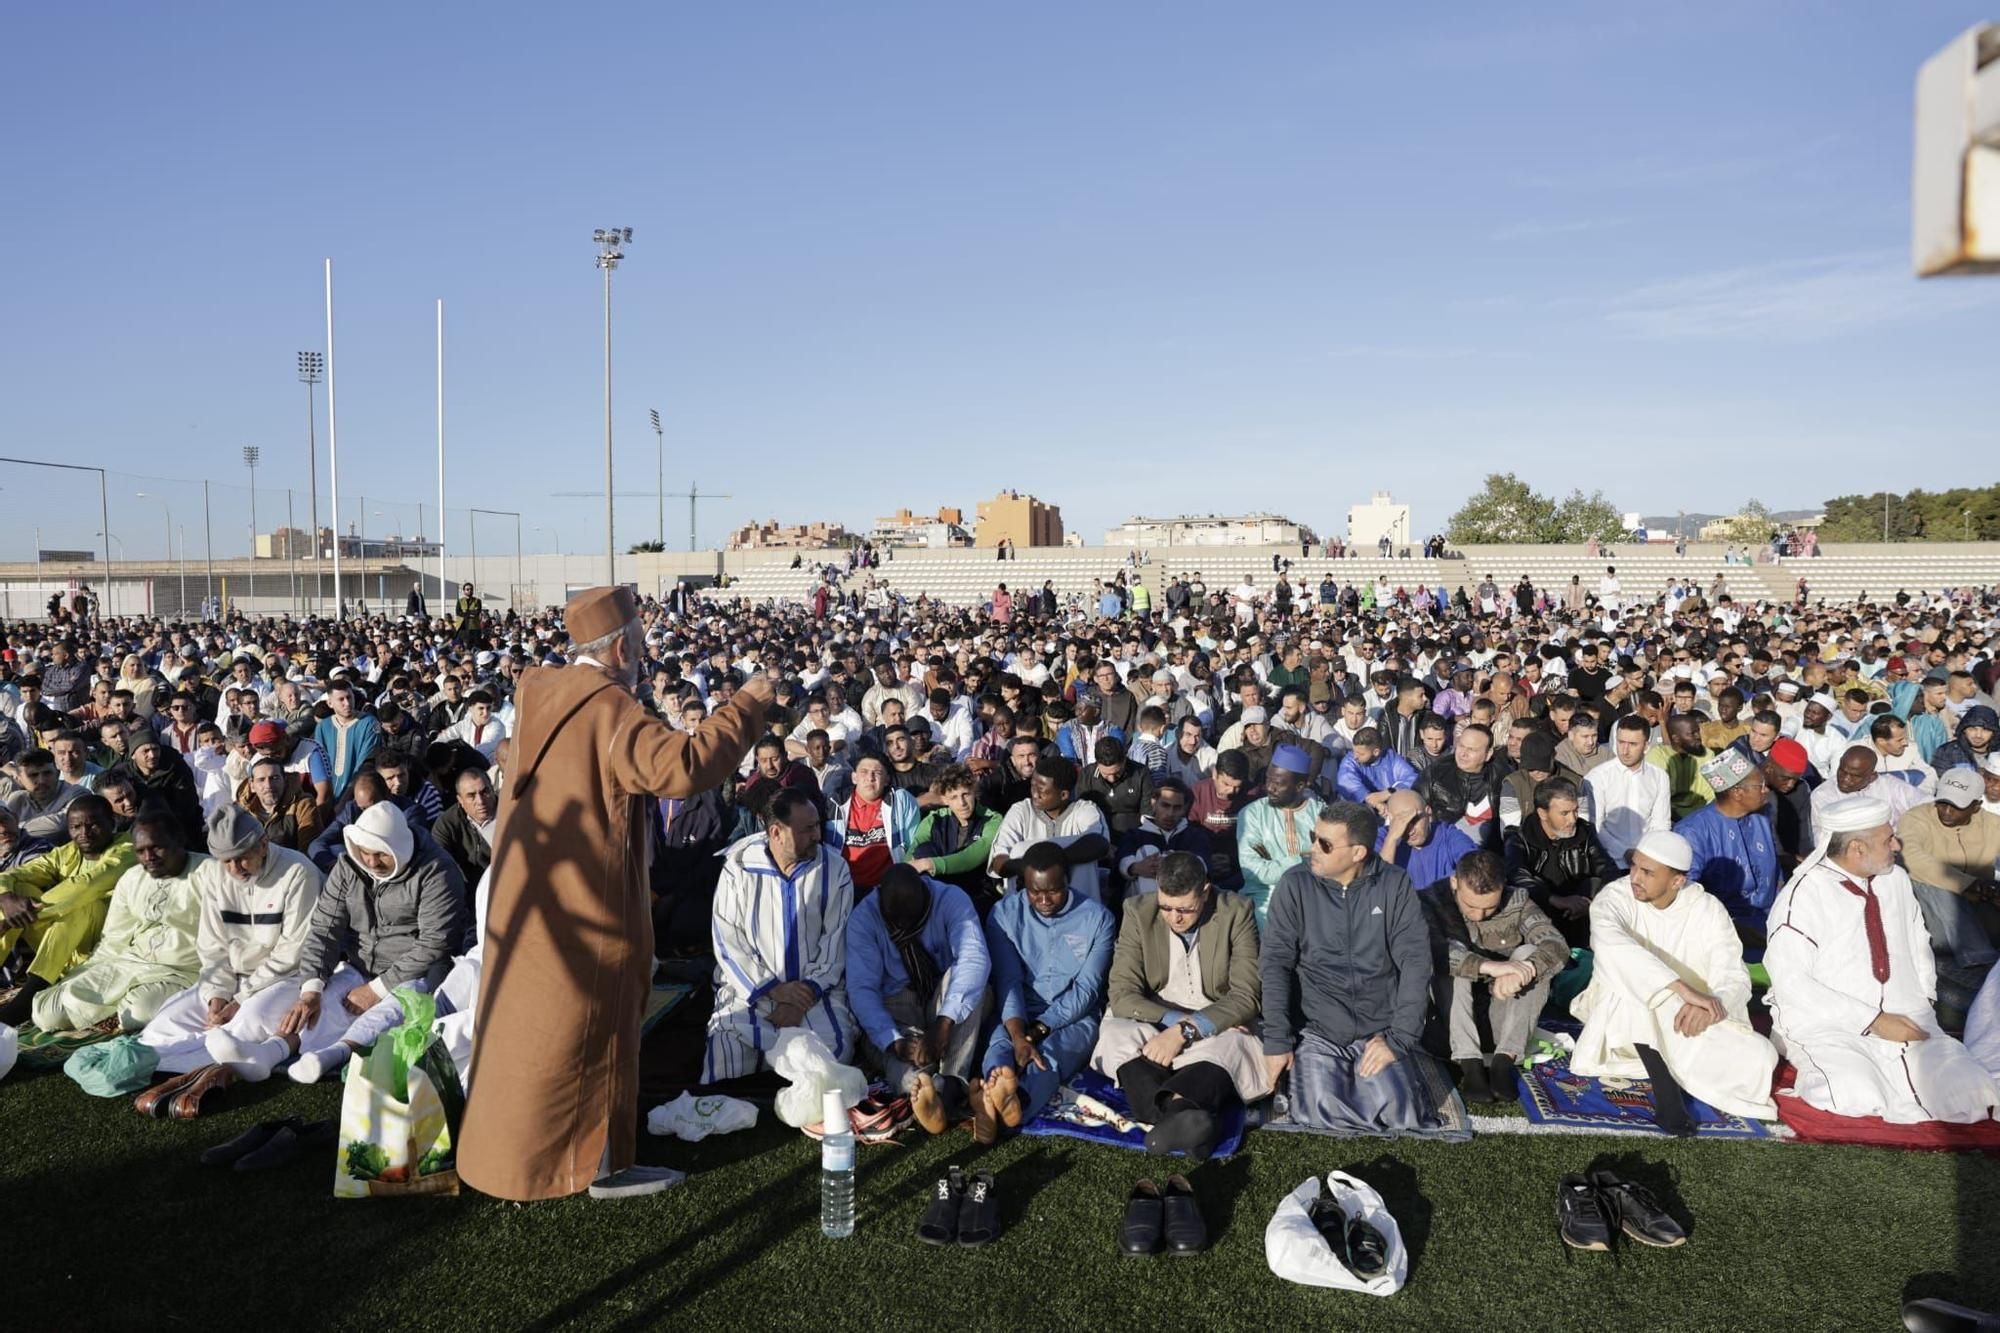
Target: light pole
<point>555,538</point>
<point>312,365</point>
<point>609,240</point>
<point>660,438</point>
<point>170,544</point>
<point>1966,514</point>
<point>251,453</point>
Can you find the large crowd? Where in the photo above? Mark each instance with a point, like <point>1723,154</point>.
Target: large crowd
<point>1324,854</point>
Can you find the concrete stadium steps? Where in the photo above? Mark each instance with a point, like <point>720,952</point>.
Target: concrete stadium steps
<point>968,577</point>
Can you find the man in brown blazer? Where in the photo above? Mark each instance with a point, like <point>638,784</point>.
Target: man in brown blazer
<point>553,1106</point>
<point>1183,1005</point>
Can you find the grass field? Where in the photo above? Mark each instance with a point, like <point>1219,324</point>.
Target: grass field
<point>116,1226</point>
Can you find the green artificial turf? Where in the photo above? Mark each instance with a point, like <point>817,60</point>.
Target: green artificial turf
<point>114,1225</point>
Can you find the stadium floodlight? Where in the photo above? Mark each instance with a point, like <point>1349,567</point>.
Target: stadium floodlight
<point>609,252</point>
<point>1955,180</point>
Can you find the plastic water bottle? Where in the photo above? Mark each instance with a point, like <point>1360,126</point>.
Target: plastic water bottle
<point>836,1170</point>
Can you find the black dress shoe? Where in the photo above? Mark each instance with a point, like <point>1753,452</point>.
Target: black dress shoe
<point>1182,1225</point>
<point>939,1225</point>
<point>1582,1214</point>
<point>1145,1219</point>
<point>979,1212</point>
<point>249,1141</point>
<point>1637,1212</point>
<point>1501,1082</point>
<point>281,1148</point>
<point>1472,1084</point>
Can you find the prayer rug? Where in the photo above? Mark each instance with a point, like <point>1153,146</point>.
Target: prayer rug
<point>1066,1117</point>
<point>51,1050</point>
<point>666,995</point>
<point>1454,1122</point>
<point>1552,1095</point>
<point>1813,1125</point>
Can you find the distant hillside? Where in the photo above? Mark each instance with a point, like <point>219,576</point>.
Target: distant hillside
<point>1691,522</point>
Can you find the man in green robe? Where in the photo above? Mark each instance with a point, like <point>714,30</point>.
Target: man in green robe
<point>57,902</point>
<point>146,954</point>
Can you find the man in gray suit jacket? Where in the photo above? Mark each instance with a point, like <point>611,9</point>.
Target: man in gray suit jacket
<point>1183,1004</point>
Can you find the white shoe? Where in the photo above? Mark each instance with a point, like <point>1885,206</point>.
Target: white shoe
<point>634,1181</point>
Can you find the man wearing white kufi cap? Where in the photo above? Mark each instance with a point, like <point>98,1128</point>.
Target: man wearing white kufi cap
<point>1853,979</point>
<point>1668,990</point>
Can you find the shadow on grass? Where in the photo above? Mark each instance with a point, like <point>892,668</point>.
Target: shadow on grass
<point>1396,1181</point>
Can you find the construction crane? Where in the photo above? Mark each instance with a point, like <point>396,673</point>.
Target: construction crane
<point>694,495</point>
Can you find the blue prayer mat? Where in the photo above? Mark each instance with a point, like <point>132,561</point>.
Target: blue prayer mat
<point>1552,1095</point>
<point>1058,1118</point>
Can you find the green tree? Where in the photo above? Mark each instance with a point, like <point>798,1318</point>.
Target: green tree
<point>1581,517</point>
<point>644,548</point>
<point>1505,510</point>
<point>1751,523</point>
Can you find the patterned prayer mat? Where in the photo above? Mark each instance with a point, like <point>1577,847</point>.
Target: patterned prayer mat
<point>664,999</point>
<point>50,1050</point>
<point>1552,1095</point>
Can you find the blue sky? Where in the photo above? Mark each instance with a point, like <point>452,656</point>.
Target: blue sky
<point>1134,258</point>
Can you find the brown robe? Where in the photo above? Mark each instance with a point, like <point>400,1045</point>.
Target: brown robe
<point>569,929</point>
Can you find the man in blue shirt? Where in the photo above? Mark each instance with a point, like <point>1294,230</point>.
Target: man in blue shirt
<point>1051,949</point>
<point>917,967</point>
<point>1735,846</point>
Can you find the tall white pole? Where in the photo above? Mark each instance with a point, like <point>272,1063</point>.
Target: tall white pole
<point>332,437</point>
<point>440,396</point>
<point>610,504</point>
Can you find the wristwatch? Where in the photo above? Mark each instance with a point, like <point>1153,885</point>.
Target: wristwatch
<point>1189,1032</point>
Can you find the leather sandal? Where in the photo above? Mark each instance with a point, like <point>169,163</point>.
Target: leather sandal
<point>186,1104</point>
<point>979,1212</point>
<point>939,1225</point>
<point>153,1101</point>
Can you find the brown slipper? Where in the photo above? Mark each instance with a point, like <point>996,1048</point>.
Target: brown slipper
<point>927,1106</point>
<point>153,1101</point>
<point>985,1128</point>
<point>186,1104</point>
<point>1005,1090</point>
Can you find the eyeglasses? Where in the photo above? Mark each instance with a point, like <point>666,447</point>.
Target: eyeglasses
<point>1330,847</point>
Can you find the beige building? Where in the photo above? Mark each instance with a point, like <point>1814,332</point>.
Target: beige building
<point>772,535</point>
<point>1209,530</point>
<point>945,528</point>
<point>1381,516</point>
<point>1021,519</point>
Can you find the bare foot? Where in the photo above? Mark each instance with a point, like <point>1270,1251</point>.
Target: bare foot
<point>1004,1090</point>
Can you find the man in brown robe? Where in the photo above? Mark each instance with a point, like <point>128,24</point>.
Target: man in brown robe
<point>553,1106</point>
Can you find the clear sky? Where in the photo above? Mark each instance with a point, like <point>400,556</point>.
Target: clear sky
<point>1158,257</point>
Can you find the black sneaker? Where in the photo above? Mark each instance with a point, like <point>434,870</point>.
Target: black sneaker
<point>1639,1214</point>
<point>1582,1215</point>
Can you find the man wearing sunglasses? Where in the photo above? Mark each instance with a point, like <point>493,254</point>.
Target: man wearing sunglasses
<point>1346,967</point>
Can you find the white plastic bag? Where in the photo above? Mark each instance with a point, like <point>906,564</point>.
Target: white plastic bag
<point>1297,1252</point>
<point>695,1118</point>
<point>803,1059</point>
<point>10,1049</point>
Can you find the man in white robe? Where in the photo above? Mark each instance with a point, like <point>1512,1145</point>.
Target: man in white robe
<point>1668,974</point>
<point>780,932</point>
<point>1858,773</point>
<point>1853,980</point>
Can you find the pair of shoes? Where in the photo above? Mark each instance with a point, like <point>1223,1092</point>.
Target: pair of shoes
<point>963,1208</point>
<point>155,1101</point>
<point>1162,1215</point>
<point>186,1104</point>
<point>249,1141</point>
<point>1589,1208</point>
<point>1361,1248</point>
